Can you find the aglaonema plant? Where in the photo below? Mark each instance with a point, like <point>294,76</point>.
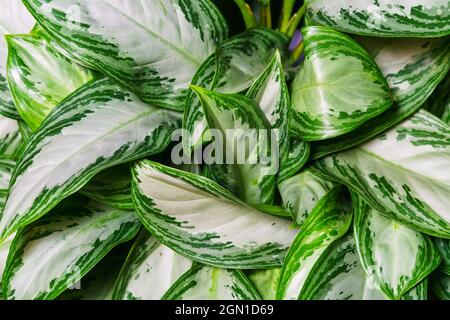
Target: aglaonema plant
<point>148,152</point>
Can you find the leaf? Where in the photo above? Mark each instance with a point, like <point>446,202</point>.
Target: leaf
<point>14,18</point>
<point>150,270</point>
<point>235,66</point>
<point>244,136</point>
<point>395,257</point>
<point>265,282</point>
<point>439,102</point>
<point>55,252</point>
<point>99,126</point>
<point>209,283</point>
<point>207,223</point>
<point>151,47</point>
<point>111,187</point>
<point>402,18</point>
<point>413,69</point>
<point>389,173</point>
<point>6,169</point>
<point>327,222</point>
<point>4,250</point>
<point>294,160</point>
<point>40,77</point>
<point>10,139</point>
<point>440,285</point>
<point>443,246</point>
<point>338,88</point>
<point>302,193</point>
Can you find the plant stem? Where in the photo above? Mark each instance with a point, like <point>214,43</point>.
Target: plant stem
<point>286,12</point>
<point>247,14</point>
<point>296,18</point>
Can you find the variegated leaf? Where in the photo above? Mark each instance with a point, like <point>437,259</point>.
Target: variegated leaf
<point>440,285</point>
<point>301,194</point>
<point>40,77</point>
<point>4,250</point>
<point>55,252</point>
<point>265,282</point>
<point>294,160</point>
<point>207,223</point>
<point>152,47</point>
<point>339,275</point>
<point>443,246</point>
<point>329,221</point>
<point>14,18</point>
<point>389,173</point>
<point>111,187</point>
<point>238,62</point>
<point>245,138</point>
<point>383,18</point>
<point>413,69</point>
<point>6,169</point>
<point>10,139</point>
<point>209,283</point>
<point>99,126</point>
<point>396,258</point>
<point>150,270</point>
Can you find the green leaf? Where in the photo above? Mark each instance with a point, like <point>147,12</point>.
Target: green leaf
<point>443,246</point>
<point>99,126</point>
<point>6,169</point>
<point>235,66</point>
<point>294,160</point>
<point>395,257</point>
<point>265,282</point>
<point>245,137</point>
<point>40,77</point>
<point>302,193</point>
<point>413,69</point>
<point>389,173</point>
<point>209,283</point>
<point>329,221</point>
<point>150,270</point>
<point>439,102</point>
<point>207,223</point>
<point>440,285</point>
<point>151,47</point>
<point>338,88</point>
<point>402,18</point>
<point>4,250</point>
<point>10,139</point>
<point>14,18</point>
<point>111,187</point>
<point>55,252</point>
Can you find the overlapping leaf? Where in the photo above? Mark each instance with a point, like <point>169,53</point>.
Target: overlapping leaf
<point>152,47</point>
<point>338,88</point>
<point>403,173</point>
<point>395,257</point>
<point>294,160</point>
<point>150,270</point>
<point>55,252</point>
<point>265,282</point>
<point>40,77</point>
<point>206,222</point>
<point>440,285</point>
<point>209,283</point>
<point>400,18</point>
<point>99,126</point>
<point>10,139</point>
<point>443,246</point>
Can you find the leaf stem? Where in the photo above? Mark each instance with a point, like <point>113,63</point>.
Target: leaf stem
<point>266,14</point>
<point>295,20</point>
<point>286,12</point>
<point>247,14</point>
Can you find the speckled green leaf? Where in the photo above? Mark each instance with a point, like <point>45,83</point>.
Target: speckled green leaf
<point>443,246</point>
<point>294,160</point>
<point>209,283</point>
<point>301,194</point>
<point>338,88</point>
<point>14,18</point>
<point>112,187</point>
<point>403,173</point>
<point>99,126</point>
<point>265,282</point>
<point>238,119</point>
<point>413,69</point>
<point>4,250</point>
<point>152,47</point>
<point>238,62</point>
<point>55,252</point>
<point>10,139</point>
<point>395,257</point>
<point>40,77</point>
<point>150,270</point>
<point>207,223</point>
<point>327,222</point>
<point>440,285</point>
